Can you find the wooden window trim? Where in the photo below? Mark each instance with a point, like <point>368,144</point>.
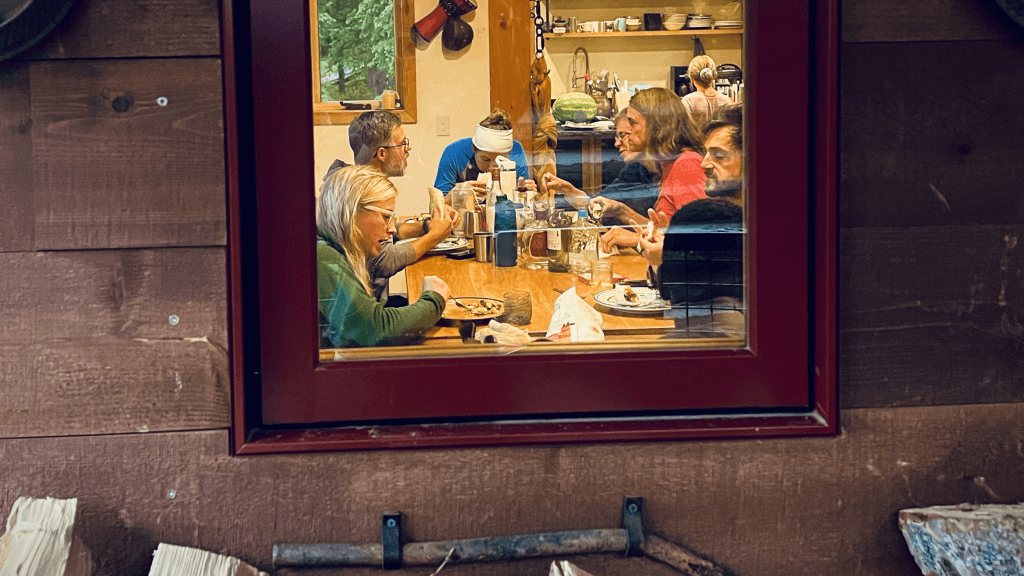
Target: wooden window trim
<point>331,113</point>
<point>274,352</point>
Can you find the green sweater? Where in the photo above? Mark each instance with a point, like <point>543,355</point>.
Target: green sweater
<point>350,317</point>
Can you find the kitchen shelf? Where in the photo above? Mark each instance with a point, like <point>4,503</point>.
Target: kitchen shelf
<point>627,34</point>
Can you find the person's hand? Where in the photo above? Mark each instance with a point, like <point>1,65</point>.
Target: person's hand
<point>435,284</point>
<point>611,207</point>
<point>652,246</point>
<point>530,185</point>
<point>453,215</point>
<point>440,225</point>
<point>476,186</point>
<point>619,236</point>
<point>660,220</point>
<point>555,184</point>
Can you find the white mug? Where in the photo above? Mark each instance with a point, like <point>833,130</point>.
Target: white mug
<point>589,26</point>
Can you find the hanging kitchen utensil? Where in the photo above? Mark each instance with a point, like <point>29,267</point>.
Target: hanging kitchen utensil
<point>698,47</point>
<point>579,83</point>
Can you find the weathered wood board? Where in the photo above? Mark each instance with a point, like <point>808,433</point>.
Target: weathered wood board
<point>920,147</point>
<point>16,215</point>
<point>769,507</point>
<point>133,29</point>
<point>128,153</point>
<point>931,315</point>
<point>87,344</point>
<point>925,20</point>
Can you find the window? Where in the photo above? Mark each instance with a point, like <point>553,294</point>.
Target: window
<point>360,48</point>
<point>781,383</point>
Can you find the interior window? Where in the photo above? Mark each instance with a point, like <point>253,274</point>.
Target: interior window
<point>361,59</point>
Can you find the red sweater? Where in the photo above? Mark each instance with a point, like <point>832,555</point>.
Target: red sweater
<point>682,182</point>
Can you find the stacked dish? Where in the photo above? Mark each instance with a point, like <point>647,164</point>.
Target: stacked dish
<point>673,21</point>
<point>729,24</point>
<point>699,21</point>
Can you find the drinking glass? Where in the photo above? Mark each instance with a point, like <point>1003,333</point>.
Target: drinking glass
<point>518,308</point>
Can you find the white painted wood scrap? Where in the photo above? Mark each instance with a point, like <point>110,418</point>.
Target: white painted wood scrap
<point>38,540</point>
<point>566,568</point>
<point>170,560</point>
<point>966,540</point>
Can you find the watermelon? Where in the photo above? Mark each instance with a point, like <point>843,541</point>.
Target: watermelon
<point>567,105</point>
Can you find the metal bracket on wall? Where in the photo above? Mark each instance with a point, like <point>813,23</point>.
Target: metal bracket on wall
<point>391,540</point>
<point>391,553</point>
<point>632,521</point>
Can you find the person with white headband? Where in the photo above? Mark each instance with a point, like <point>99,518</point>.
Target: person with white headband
<point>466,159</point>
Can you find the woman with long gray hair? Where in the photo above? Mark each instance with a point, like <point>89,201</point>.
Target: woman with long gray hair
<point>355,216</point>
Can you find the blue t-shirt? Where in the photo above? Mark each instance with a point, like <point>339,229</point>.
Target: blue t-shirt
<point>457,164</point>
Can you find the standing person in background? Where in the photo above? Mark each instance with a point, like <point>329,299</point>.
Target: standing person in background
<point>354,218</point>
<point>466,159</point>
<point>378,140</point>
<point>702,103</point>
<point>660,133</point>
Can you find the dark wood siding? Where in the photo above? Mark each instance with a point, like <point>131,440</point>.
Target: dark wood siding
<point>114,221</point>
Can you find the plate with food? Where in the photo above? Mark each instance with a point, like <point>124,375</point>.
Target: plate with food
<point>638,300</point>
<point>450,244</point>
<point>473,308</point>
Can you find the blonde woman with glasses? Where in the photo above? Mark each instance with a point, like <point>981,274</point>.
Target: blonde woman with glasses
<point>355,217</point>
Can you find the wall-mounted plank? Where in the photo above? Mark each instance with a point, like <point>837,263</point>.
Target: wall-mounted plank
<point>921,144</point>
<point>16,215</point>
<point>769,507</point>
<point>931,315</point>
<point>88,346</point>
<point>925,20</point>
<point>132,29</point>
<point>127,153</point>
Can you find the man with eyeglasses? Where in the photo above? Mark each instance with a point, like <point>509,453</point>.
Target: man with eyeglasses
<point>635,186</point>
<point>378,139</point>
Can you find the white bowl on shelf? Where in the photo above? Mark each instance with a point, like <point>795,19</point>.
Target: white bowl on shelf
<point>673,25</point>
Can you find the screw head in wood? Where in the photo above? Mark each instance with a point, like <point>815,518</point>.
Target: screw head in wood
<point>173,320</point>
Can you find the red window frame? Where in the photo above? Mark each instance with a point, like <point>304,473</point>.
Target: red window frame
<point>285,400</point>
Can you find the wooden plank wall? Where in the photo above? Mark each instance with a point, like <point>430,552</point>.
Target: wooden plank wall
<point>113,223</point>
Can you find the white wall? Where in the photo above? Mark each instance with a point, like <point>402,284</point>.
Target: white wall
<point>453,84</point>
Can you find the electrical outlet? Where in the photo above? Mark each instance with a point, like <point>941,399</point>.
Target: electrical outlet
<point>444,125</point>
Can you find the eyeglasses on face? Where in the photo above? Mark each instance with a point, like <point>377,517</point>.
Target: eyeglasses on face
<point>402,144</point>
<point>621,135</point>
<point>389,213</point>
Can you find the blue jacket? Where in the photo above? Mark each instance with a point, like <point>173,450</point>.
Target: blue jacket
<point>457,164</point>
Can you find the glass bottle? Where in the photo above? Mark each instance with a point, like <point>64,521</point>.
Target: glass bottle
<point>505,229</point>
<point>534,252</point>
<point>558,241</point>
<point>583,243</point>
<point>492,196</point>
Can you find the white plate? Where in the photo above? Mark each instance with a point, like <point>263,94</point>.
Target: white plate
<point>649,303</point>
<point>449,244</point>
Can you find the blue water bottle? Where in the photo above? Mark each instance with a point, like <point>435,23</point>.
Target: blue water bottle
<point>505,232</point>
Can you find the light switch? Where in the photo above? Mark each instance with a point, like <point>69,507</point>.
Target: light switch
<point>443,125</point>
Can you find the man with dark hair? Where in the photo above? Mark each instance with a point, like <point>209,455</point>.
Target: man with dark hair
<point>723,162</point>
<point>711,227</point>
<point>378,139</point>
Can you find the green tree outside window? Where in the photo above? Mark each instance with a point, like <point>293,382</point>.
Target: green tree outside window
<point>357,49</point>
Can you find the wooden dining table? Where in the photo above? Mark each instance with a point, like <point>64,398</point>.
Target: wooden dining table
<point>469,278</point>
